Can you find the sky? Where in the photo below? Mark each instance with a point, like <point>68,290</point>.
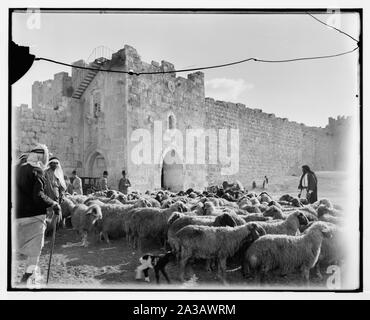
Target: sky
<point>306,92</point>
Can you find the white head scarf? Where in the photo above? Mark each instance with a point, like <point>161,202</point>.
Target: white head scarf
<point>58,172</point>
<point>39,156</point>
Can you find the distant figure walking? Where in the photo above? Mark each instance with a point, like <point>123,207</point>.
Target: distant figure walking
<point>265,182</point>
<point>124,183</point>
<point>308,185</point>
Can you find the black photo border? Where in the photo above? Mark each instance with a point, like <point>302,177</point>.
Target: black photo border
<point>188,11</point>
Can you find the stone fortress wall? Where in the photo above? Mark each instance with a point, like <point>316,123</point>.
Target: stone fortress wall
<point>94,132</point>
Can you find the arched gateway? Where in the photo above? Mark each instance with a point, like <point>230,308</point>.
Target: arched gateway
<point>96,165</point>
<point>172,175</point>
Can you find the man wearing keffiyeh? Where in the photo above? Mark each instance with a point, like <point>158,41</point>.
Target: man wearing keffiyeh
<point>56,185</point>
<point>308,185</point>
<point>31,203</point>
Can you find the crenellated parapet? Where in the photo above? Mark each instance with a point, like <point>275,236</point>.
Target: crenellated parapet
<point>85,111</point>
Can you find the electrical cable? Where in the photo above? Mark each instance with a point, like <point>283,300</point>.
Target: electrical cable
<point>200,68</point>
<point>131,72</point>
<point>317,19</point>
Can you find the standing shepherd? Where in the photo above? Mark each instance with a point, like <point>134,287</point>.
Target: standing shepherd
<point>265,182</point>
<point>30,210</point>
<point>55,187</point>
<point>103,182</point>
<point>76,183</point>
<point>124,183</point>
<point>308,185</point>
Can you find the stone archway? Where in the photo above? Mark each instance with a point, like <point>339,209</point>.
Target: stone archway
<point>172,173</point>
<point>96,165</point>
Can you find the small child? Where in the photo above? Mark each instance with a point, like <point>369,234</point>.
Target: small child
<point>158,263</point>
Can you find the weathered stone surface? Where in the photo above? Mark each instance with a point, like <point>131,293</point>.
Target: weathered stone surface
<point>94,133</point>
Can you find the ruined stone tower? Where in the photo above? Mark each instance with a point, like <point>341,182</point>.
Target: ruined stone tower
<point>90,120</point>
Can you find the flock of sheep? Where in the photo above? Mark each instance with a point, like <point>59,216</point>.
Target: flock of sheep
<point>261,234</point>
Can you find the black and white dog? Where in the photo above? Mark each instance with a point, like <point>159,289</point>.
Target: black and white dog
<point>156,262</point>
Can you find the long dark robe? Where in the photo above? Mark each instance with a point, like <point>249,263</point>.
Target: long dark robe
<point>312,186</point>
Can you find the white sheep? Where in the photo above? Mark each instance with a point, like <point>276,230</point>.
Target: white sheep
<point>264,197</point>
<point>325,202</point>
<point>333,249</point>
<point>286,253</point>
<point>274,203</point>
<point>204,242</point>
<point>244,201</point>
<point>150,222</point>
<point>211,210</point>
<point>254,217</point>
<point>179,220</point>
<point>198,208</point>
<point>218,202</point>
<point>167,203</point>
<point>147,202</point>
<point>83,219</point>
<point>67,207</point>
<point>251,208</point>
<point>255,201</point>
<point>275,212</point>
<point>289,226</point>
<point>99,198</point>
<point>77,198</point>
<point>329,214</point>
<point>112,224</point>
<point>114,201</point>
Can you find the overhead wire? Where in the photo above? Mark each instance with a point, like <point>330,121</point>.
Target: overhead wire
<point>132,72</point>
<point>330,26</point>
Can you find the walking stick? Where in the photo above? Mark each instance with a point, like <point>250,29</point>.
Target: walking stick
<point>54,219</point>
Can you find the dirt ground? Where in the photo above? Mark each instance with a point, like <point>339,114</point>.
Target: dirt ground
<point>112,266</point>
